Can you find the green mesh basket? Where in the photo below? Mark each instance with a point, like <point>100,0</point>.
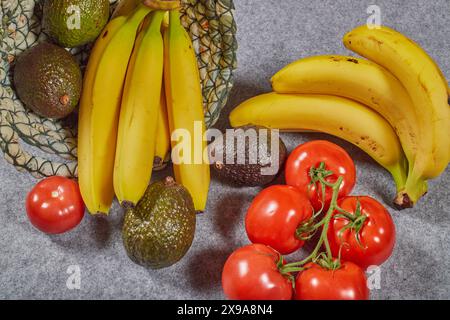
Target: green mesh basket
<point>46,147</point>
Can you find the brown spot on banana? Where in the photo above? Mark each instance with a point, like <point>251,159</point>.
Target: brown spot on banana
<point>378,42</point>
<point>422,84</point>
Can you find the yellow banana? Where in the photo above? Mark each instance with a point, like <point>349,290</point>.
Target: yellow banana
<point>424,82</point>
<point>337,116</point>
<point>136,139</point>
<point>163,136</point>
<point>99,109</point>
<point>365,82</point>
<point>85,159</point>
<point>162,151</point>
<point>185,109</point>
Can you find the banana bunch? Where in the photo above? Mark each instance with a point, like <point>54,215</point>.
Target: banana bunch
<point>138,87</point>
<point>394,105</point>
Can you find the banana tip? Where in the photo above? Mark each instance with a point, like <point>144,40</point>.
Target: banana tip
<point>403,201</point>
<point>127,205</point>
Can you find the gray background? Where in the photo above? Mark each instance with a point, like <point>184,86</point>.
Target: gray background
<point>272,33</point>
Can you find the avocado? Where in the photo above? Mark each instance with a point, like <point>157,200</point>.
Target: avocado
<point>72,23</point>
<point>48,80</point>
<point>160,229</point>
<point>260,165</point>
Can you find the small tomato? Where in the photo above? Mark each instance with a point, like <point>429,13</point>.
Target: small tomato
<point>55,205</point>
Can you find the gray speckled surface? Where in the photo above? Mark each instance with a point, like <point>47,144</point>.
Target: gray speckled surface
<point>272,33</point>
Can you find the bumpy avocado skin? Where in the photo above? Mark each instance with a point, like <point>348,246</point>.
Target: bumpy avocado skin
<point>160,229</point>
<point>248,174</point>
<point>48,80</point>
<point>94,15</point>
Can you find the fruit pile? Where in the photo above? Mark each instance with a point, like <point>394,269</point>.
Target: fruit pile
<point>355,233</point>
<point>141,105</point>
<point>394,105</point>
<point>141,86</point>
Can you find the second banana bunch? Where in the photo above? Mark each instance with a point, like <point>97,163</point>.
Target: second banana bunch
<point>141,83</point>
<point>394,105</point>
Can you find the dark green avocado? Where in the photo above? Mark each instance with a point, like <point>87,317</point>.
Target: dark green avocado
<point>72,23</point>
<point>160,229</point>
<point>250,172</point>
<point>48,80</point>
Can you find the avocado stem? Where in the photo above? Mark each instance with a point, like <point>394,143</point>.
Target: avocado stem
<point>64,99</point>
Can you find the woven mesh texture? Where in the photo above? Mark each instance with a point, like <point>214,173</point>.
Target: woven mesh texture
<point>212,29</point>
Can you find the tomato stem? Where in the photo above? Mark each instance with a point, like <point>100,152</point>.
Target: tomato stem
<point>318,175</point>
<point>356,222</point>
<point>323,240</point>
<point>307,230</point>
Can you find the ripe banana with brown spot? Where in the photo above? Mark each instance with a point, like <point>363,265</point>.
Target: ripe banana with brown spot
<point>162,151</point>
<point>341,117</point>
<point>185,109</point>
<point>427,88</point>
<point>141,100</point>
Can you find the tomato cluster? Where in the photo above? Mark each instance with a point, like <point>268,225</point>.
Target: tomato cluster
<point>356,232</point>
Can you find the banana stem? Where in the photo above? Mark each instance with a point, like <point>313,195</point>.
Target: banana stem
<point>162,4</point>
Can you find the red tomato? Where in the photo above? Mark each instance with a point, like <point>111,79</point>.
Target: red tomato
<point>274,216</point>
<point>377,233</point>
<point>311,154</point>
<point>251,273</point>
<point>55,205</point>
<point>317,283</point>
